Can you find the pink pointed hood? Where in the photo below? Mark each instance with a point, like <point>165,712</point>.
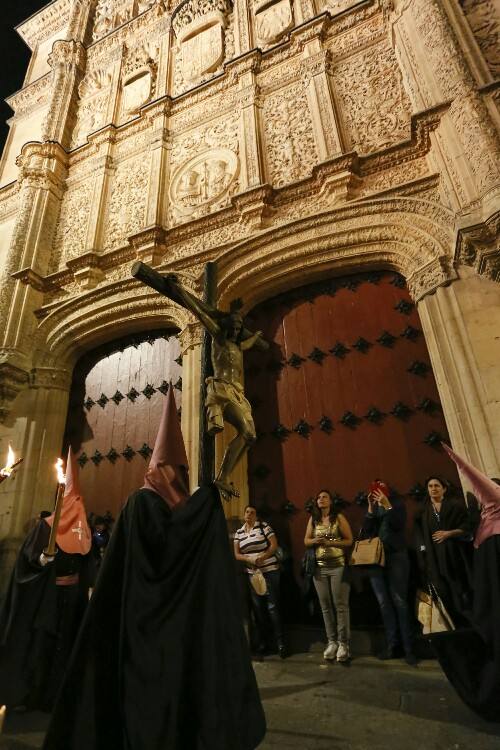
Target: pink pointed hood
<point>168,472</point>
<point>73,532</point>
<point>487,494</point>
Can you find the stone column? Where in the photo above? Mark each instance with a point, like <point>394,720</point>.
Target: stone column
<point>35,432</point>
<point>191,339</point>
<point>316,77</point>
<point>461,324</point>
<point>41,179</point>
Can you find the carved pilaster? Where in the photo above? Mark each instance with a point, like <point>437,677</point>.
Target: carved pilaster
<point>156,208</point>
<point>252,160</point>
<point>243,36</point>
<point>79,20</point>
<point>67,60</point>
<point>102,179</point>
<point>316,78</point>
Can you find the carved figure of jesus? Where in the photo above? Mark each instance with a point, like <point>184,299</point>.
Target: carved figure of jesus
<point>225,399</point>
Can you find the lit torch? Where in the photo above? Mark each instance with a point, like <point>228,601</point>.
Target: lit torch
<point>61,486</point>
<point>8,470</point>
<point>3,710</point>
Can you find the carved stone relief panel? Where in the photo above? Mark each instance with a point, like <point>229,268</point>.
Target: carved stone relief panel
<point>71,228</point>
<point>204,169</point>
<point>374,105</point>
<point>110,14</point>
<point>290,145</point>
<point>140,70</point>
<point>483,16</point>
<point>204,41</point>
<point>94,91</point>
<point>127,202</point>
<point>273,19</point>
<point>202,184</point>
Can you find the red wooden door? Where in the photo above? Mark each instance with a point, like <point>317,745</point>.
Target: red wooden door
<point>116,403</point>
<point>346,395</point>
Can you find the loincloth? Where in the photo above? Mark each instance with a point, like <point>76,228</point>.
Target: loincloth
<point>220,393</point>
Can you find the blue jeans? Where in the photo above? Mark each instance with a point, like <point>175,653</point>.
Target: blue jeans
<point>270,602</point>
<point>390,586</point>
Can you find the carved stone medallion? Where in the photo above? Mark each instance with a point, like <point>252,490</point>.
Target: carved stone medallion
<point>272,20</point>
<point>202,183</point>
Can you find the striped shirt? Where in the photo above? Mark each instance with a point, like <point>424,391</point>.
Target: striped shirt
<point>255,543</point>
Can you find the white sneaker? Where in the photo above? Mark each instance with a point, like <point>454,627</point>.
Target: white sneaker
<point>330,651</point>
<point>343,652</point>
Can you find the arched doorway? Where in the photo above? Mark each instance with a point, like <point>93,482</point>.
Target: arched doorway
<point>116,402</point>
<point>346,395</point>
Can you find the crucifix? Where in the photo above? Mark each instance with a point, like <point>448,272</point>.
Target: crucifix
<point>78,530</point>
<point>223,393</point>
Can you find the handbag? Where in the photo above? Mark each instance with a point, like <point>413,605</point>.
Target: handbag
<point>309,562</point>
<point>431,612</point>
<point>368,552</point>
<point>258,583</point>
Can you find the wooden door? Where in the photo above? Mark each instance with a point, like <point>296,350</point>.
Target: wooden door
<point>116,403</point>
<point>346,395</point>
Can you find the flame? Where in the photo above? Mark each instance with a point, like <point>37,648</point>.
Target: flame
<point>11,458</point>
<point>61,479</point>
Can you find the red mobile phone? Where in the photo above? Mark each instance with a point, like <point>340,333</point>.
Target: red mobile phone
<point>377,484</point>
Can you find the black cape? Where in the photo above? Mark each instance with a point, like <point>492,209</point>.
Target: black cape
<point>162,661</point>
<point>470,658</point>
<point>38,623</point>
<point>447,566</point>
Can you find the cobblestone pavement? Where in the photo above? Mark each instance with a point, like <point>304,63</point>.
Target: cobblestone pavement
<point>367,705</point>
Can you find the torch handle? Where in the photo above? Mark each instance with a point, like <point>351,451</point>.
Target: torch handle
<point>51,547</point>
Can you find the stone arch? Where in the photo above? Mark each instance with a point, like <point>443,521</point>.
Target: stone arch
<point>100,316</point>
<point>408,235</point>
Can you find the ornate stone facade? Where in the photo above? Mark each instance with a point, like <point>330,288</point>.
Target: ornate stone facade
<point>281,139</point>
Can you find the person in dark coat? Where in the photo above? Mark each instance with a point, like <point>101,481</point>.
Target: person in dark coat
<point>387,520</point>
<point>470,657</point>
<point>45,603</point>
<point>443,537</point>
<point>162,662</point>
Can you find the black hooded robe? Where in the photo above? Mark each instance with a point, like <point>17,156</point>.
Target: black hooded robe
<point>39,622</point>
<point>162,662</point>
<point>470,658</point>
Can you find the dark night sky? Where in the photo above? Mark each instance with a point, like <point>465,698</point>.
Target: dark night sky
<point>14,54</point>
